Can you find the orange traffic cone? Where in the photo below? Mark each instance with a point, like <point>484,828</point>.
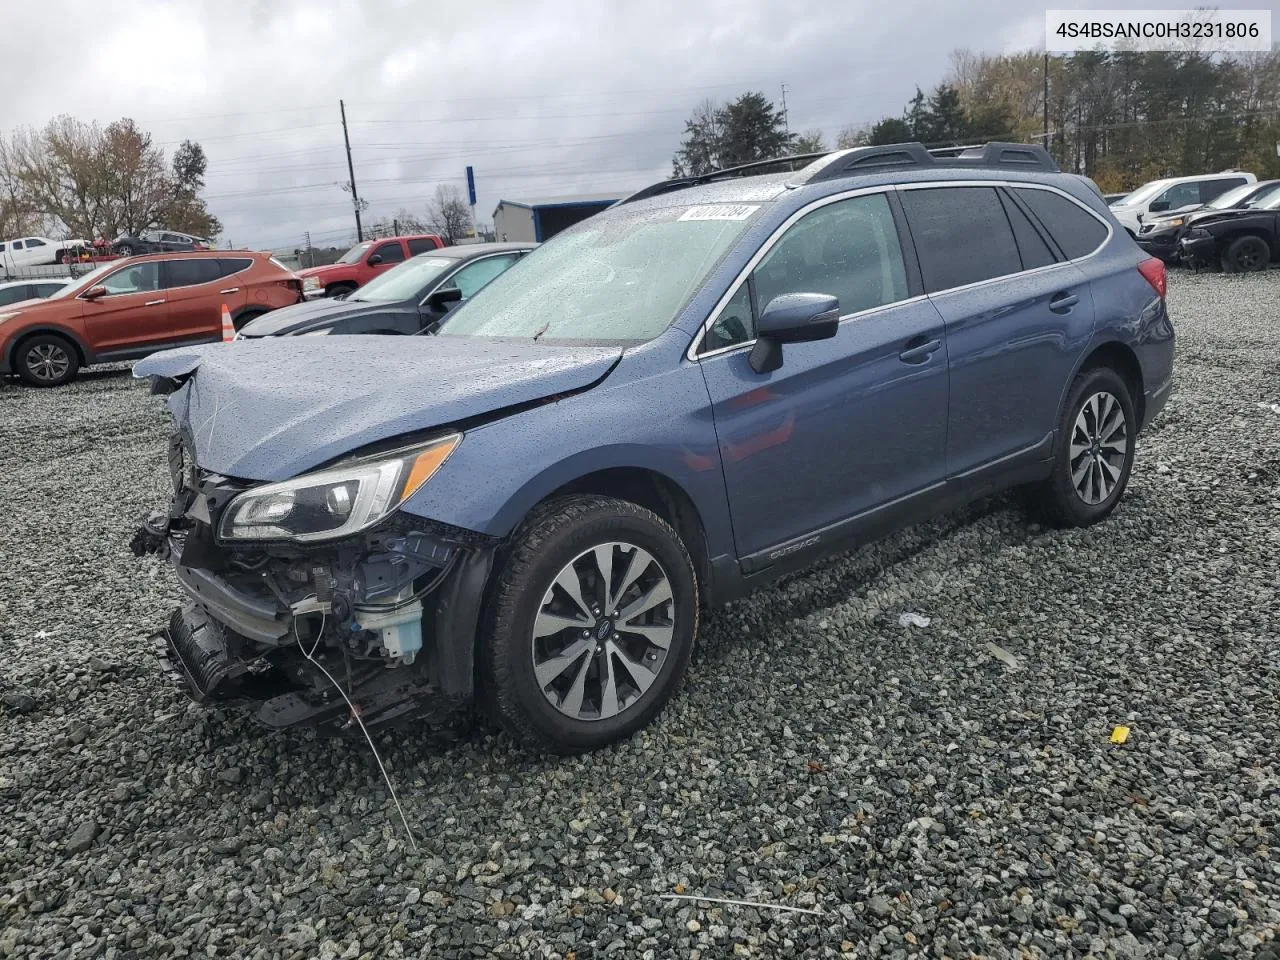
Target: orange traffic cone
<point>228,328</point>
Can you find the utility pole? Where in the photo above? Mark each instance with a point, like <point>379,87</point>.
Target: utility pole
<point>785,125</point>
<point>311,254</point>
<point>351,171</point>
<point>1046,99</point>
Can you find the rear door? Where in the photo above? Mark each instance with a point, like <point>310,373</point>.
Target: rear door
<point>134,314</point>
<point>195,305</point>
<point>845,425</point>
<point>1017,315</point>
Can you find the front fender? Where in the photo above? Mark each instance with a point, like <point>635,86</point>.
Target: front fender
<point>660,423</point>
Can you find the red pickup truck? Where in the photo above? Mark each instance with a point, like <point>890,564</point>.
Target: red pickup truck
<point>363,262</point>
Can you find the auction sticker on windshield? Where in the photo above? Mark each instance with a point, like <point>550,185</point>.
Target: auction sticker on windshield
<point>720,211</point>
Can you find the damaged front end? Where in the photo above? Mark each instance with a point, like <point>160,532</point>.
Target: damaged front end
<point>314,599</point>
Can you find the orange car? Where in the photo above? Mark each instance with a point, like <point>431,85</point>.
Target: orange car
<point>129,308</point>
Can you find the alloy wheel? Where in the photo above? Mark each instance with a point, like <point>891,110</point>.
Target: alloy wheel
<point>1099,444</point>
<point>48,361</point>
<point>603,631</point>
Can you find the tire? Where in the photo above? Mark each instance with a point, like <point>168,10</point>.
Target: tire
<point>338,289</point>
<point>1073,497</point>
<point>553,538</point>
<point>125,250</point>
<point>46,360</point>
<point>1246,254</point>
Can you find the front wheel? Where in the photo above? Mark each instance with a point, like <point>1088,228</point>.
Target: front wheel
<point>125,250</point>
<point>1093,452</point>
<point>46,360</point>
<point>1246,255</point>
<point>593,617</point>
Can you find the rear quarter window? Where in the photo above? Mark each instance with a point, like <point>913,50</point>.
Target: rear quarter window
<point>1076,231</point>
<point>230,265</point>
<point>421,245</point>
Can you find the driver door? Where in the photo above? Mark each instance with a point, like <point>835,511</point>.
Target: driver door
<point>132,316</point>
<point>846,425</point>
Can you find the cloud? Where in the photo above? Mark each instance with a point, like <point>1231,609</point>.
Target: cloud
<point>543,98</point>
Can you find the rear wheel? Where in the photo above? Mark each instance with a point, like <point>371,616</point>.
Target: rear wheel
<point>1093,453</point>
<point>242,318</point>
<point>46,360</point>
<point>125,249</point>
<point>1246,255</point>
<point>593,618</point>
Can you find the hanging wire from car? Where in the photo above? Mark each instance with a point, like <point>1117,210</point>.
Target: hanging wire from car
<point>310,655</point>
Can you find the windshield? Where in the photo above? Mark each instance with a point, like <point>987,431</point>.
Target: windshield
<point>1225,201</point>
<point>355,253</point>
<point>86,281</point>
<point>404,281</point>
<point>1143,194</point>
<point>620,276</point>
<point>1272,202</point>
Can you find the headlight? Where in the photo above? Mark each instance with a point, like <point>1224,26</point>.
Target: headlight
<point>1177,221</point>
<point>311,283</point>
<point>322,332</point>
<point>334,503</point>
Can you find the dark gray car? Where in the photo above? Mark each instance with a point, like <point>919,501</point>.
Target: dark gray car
<point>408,299</point>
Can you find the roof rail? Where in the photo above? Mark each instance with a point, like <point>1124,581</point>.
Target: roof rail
<point>753,169</point>
<point>816,167</point>
<point>845,163</point>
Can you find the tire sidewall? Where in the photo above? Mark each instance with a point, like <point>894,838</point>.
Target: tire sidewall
<point>1097,380</point>
<point>519,597</point>
<point>20,360</point>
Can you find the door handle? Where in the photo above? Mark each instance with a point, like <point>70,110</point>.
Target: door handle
<point>230,290</point>
<point>918,350</point>
<point>152,303</point>
<point>1063,302</point>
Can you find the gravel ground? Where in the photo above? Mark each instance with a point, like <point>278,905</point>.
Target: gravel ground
<point>926,792</point>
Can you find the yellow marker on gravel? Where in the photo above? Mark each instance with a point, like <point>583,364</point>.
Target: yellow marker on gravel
<point>1119,734</point>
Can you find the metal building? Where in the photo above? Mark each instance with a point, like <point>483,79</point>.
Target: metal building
<point>538,220</point>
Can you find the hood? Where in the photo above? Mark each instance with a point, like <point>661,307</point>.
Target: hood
<point>1200,218</point>
<point>271,409</point>
<point>323,269</point>
<point>311,315</point>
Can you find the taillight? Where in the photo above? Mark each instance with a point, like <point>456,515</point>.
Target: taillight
<point>1154,273</point>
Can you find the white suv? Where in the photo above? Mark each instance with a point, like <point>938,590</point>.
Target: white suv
<point>1175,193</point>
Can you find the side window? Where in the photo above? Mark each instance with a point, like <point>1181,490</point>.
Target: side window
<point>33,242</point>
<point>1,248</point>
<point>390,252</point>
<point>15,294</point>
<point>172,238</point>
<point>228,266</point>
<point>1180,195</point>
<point>848,249</point>
<point>420,245</point>
<point>17,244</point>
<point>1209,189</point>
<point>961,234</point>
<point>1034,251</point>
<point>1076,231</point>
<point>475,275</point>
<point>139,278</point>
<point>189,273</point>
<point>735,323</point>
<point>46,289</point>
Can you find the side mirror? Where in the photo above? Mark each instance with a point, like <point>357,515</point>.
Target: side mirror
<point>93,293</point>
<point>374,260</point>
<point>441,299</point>
<point>792,318</point>
<point>1159,206</point>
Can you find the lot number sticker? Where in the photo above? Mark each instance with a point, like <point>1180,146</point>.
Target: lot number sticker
<point>720,211</point>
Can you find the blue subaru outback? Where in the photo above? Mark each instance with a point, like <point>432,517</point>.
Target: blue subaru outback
<point>714,382</point>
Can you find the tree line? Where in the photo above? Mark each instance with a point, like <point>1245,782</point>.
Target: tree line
<point>79,179</point>
<point>1120,118</point>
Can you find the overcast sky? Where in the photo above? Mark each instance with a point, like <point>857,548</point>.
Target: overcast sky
<point>542,98</point>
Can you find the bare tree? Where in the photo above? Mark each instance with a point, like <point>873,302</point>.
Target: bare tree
<point>448,213</point>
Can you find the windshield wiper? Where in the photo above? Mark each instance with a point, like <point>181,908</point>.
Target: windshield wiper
<point>541,331</point>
